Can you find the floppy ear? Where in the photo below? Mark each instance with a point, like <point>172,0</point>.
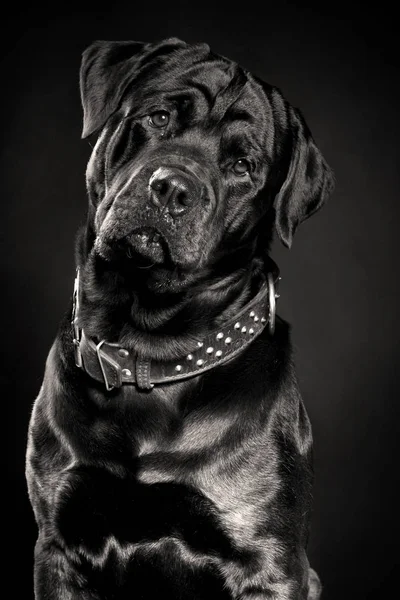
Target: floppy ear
<point>107,68</point>
<point>309,180</point>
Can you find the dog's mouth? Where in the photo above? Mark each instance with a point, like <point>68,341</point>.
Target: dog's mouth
<point>147,244</point>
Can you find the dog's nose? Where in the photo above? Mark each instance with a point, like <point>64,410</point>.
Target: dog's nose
<point>174,190</point>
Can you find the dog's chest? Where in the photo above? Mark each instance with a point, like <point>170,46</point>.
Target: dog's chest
<point>180,480</point>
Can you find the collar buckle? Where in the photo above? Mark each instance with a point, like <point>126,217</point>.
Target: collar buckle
<point>116,369</point>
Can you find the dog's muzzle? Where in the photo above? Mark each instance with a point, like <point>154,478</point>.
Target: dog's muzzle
<point>174,190</point>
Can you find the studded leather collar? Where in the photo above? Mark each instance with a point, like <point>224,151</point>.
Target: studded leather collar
<point>113,365</point>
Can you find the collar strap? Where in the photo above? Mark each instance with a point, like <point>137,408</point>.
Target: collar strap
<point>113,365</point>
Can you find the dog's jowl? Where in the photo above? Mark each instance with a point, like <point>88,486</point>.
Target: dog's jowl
<point>169,451</point>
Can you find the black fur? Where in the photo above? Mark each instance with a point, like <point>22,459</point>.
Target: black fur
<point>199,489</point>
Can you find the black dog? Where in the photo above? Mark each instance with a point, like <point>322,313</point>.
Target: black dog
<point>169,449</point>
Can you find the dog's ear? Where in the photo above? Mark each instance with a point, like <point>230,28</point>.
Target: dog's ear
<point>308,182</point>
<point>107,69</point>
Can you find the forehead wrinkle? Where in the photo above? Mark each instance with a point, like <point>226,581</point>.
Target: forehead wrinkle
<point>204,91</point>
<point>230,95</point>
<point>221,83</point>
<point>210,73</point>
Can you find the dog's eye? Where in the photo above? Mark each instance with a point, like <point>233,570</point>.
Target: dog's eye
<point>159,119</point>
<point>241,167</point>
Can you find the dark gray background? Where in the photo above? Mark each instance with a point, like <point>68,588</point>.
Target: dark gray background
<point>340,280</point>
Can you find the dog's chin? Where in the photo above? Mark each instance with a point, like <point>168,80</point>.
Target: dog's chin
<point>147,247</point>
<point>146,250</point>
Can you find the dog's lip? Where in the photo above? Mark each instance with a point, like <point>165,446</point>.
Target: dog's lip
<point>147,233</point>
<point>149,243</point>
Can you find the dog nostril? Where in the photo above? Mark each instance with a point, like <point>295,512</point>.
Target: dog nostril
<point>160,185</point>
<point>183,198</point>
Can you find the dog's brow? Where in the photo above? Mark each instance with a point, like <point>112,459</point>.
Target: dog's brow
<point>207,93</point>
<point>239,114</point>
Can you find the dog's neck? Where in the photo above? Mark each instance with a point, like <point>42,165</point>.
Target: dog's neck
<point>116,306</point>
<point>146,358</point>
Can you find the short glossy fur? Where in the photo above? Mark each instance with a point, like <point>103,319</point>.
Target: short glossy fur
<point>199,489</point>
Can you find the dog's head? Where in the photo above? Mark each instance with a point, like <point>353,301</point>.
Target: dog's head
<point>195,159</point>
